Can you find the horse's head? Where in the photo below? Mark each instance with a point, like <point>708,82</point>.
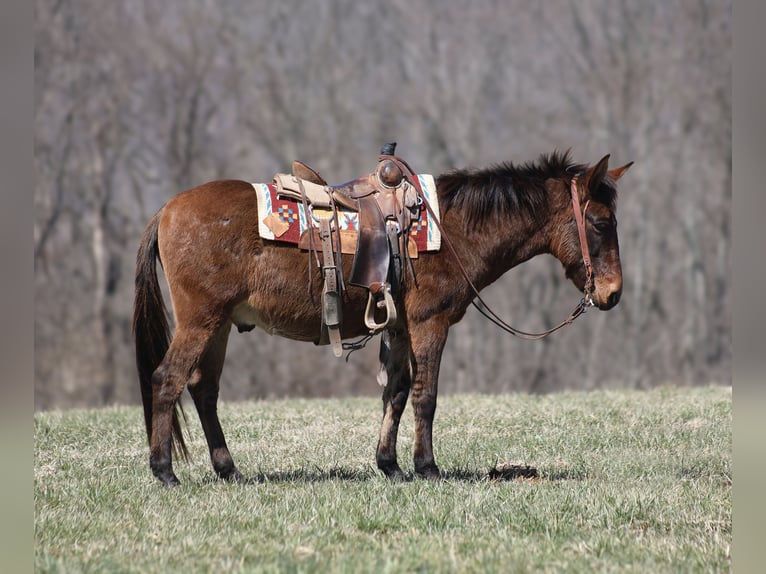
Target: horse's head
<point>596,192</point>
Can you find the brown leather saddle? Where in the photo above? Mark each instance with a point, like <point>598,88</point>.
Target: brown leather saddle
<point>387,203</point>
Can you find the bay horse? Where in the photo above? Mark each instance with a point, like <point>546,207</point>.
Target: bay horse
<point>221,273</point>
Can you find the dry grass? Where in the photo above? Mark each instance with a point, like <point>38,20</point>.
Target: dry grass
<point>603,481</point>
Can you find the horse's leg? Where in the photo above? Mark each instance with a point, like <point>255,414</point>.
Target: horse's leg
<point>395,393</point>
<point>204,391</point>
<point>427,341</point>
<point>179,367</point>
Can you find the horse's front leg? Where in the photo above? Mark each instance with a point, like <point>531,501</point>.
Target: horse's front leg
<point>398,372</point>
<point>427,341</point>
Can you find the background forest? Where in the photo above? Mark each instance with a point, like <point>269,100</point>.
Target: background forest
<point>138,100</point>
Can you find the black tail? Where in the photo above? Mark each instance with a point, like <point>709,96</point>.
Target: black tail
<point>151,330</point>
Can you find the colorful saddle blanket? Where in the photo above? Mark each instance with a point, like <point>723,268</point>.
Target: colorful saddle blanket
<point>283,219</point>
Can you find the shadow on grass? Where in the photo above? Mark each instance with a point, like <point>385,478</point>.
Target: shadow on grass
<point>312,475</point>
<point>317,475</point>
<point>460,474</point>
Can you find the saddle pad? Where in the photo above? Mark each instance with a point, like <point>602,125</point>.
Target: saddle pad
<point>285,220</point>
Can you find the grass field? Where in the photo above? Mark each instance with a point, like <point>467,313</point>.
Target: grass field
<point>628,482</point>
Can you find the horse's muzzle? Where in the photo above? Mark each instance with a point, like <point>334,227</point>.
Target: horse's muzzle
<point>608,295</point>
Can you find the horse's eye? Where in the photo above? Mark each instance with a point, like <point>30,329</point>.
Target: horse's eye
<point>602,226</point>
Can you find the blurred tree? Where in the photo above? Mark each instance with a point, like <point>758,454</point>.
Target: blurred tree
<point>139,101</point>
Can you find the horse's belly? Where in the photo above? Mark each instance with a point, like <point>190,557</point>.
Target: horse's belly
<point>246,318</point>
<point>299,319</point>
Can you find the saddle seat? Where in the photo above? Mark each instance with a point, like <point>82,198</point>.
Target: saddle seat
<point>384,183</point>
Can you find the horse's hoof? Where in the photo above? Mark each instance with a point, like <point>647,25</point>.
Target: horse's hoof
<point>232,476</point>
<point>391,470</point>
<point>169,480</point>
<point>430,472</point>
<point>227,471</point>
<point>165,474</point>
<point>395,475</point>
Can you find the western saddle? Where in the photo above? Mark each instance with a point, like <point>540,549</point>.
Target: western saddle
<point>387,201</point>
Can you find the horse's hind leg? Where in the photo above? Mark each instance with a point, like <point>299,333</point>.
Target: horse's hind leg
<point>395,393</point>
<point>179,367</point>
<point>204,391</point>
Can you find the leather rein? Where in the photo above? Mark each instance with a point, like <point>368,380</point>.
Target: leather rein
<point>481,306</point>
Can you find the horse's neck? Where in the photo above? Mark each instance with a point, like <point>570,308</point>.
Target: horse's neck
<point>495,246</point>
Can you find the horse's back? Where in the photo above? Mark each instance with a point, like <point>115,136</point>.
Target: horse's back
<point>213,205</point>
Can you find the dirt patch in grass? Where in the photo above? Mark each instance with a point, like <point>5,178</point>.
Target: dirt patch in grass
<point>512,471</point>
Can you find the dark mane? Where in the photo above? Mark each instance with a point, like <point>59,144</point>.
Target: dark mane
<point>505,188</point>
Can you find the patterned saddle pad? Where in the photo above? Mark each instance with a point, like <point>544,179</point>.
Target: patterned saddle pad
<point>282,219</point>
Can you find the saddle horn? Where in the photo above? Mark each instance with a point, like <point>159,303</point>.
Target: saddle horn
<point>388,148</point>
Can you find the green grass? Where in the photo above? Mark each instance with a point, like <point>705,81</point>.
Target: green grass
<point>629,482</point>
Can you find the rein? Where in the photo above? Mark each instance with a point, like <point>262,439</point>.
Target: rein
<point>484,309</point>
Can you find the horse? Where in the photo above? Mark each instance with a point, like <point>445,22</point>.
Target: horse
<point>221,273</point>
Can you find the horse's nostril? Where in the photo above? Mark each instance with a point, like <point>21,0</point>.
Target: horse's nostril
<point>613,299</point>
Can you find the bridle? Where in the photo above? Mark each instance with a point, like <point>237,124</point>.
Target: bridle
<point>484,309</point>
<point>580,219</point>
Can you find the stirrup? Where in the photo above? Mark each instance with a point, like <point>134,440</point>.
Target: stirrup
<point>387,303</point>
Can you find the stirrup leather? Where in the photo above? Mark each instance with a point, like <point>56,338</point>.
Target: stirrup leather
<point>331,300</point>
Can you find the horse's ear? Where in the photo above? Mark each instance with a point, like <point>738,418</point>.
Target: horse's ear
<point>595,175</point>
<point>618,172</point>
